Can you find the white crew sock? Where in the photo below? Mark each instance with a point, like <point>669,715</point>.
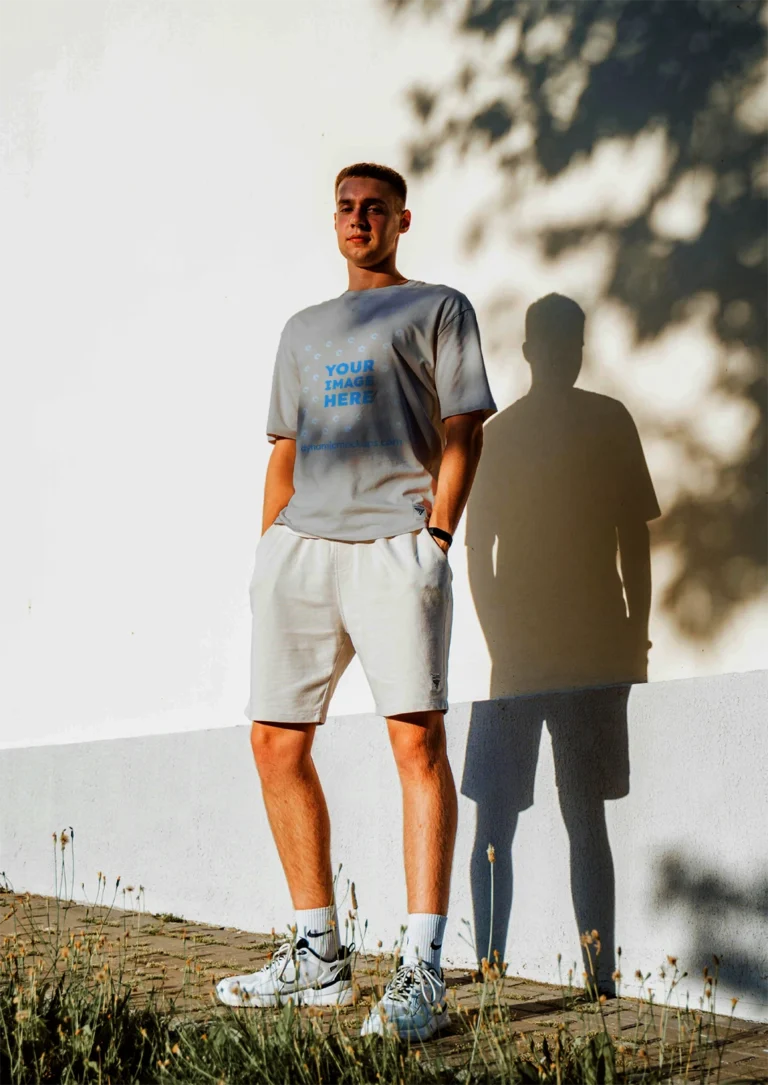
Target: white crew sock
<point>320,927</point>
<point>424,939</point>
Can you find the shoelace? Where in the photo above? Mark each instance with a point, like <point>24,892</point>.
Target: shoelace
<point>279,958</point>
<point>409,976</point>
<point>283,954</point>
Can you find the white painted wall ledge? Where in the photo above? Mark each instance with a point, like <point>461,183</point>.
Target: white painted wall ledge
<point>182,815</point>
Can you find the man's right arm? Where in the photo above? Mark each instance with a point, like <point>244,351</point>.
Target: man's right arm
<point>278,485</point>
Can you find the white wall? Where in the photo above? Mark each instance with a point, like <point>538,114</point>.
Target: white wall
<point>167,199</point>
<point>182,816</point>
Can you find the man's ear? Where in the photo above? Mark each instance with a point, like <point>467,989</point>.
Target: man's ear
<point>334,220</point>
<point>527,353</point>
<point>405,221</point>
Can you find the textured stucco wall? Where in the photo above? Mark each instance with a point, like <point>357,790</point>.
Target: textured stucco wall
<point>181,814</point>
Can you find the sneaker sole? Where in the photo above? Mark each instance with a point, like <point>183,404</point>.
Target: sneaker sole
<point>424,1032</point>
<point>337,994</point>
<point>340,994</point>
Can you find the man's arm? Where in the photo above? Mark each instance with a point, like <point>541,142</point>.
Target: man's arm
<point>278,485</point>
<point>635,557</point>
<point>463,445</point>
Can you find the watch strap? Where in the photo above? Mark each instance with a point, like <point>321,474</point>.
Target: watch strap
<point>438,533</point>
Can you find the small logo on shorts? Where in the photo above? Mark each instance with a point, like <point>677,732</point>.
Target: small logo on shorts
<point>420,509</point>
<point>435,681</point>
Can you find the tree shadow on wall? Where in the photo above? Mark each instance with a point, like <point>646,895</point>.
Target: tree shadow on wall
<point>550,87</point>
<point>722,919</point>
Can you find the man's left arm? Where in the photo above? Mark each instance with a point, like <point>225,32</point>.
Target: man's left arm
<point>461,455</point>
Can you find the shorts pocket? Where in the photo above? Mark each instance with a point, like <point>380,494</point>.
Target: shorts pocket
<point>260,568</point>
<point>435,545</point>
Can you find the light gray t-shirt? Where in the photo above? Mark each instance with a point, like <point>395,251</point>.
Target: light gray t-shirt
<point>362,383</point>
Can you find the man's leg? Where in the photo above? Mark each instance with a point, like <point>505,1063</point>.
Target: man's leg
<point>296,808</point>
<point>314,970</point>
<point>403,584</point>
<point>429,808</point>
<point>413,1005</point>
<point>299,650</point>
<point>429,829</point>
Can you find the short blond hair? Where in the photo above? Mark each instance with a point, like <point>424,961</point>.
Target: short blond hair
<point>379,173</point>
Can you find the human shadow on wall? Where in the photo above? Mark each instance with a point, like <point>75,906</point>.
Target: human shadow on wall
<point>561,487</point>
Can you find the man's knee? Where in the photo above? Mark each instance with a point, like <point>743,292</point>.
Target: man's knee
<point>280,749</point>
<point>419,744</point>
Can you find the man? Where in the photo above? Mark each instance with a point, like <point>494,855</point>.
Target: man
<point>378,402</point>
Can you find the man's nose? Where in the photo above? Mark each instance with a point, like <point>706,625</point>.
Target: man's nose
<point>360,219</point>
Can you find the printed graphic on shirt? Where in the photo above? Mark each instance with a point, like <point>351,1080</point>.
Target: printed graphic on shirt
<point>344,388</point>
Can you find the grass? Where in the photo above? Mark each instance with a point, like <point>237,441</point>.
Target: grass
<point>70,1030</point>
<point>71,1011</point>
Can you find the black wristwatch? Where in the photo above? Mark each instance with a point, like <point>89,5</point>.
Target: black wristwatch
<point>438,533</point>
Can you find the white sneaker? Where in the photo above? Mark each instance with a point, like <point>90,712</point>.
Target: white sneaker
<point>295,974</point>
<point>413,1006</point>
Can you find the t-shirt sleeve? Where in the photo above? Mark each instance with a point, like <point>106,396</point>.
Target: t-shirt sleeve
<point>282,420</point>
<point>636,497</point>
<point>460,377</point>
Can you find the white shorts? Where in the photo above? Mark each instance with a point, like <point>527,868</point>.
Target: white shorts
<point>315,602</point>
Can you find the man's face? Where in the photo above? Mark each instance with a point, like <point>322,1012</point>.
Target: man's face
<point>369,220</point>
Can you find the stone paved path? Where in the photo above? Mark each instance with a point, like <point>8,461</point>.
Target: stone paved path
<point>182,961</point>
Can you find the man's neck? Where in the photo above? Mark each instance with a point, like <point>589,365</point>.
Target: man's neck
<point>372,278</point>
